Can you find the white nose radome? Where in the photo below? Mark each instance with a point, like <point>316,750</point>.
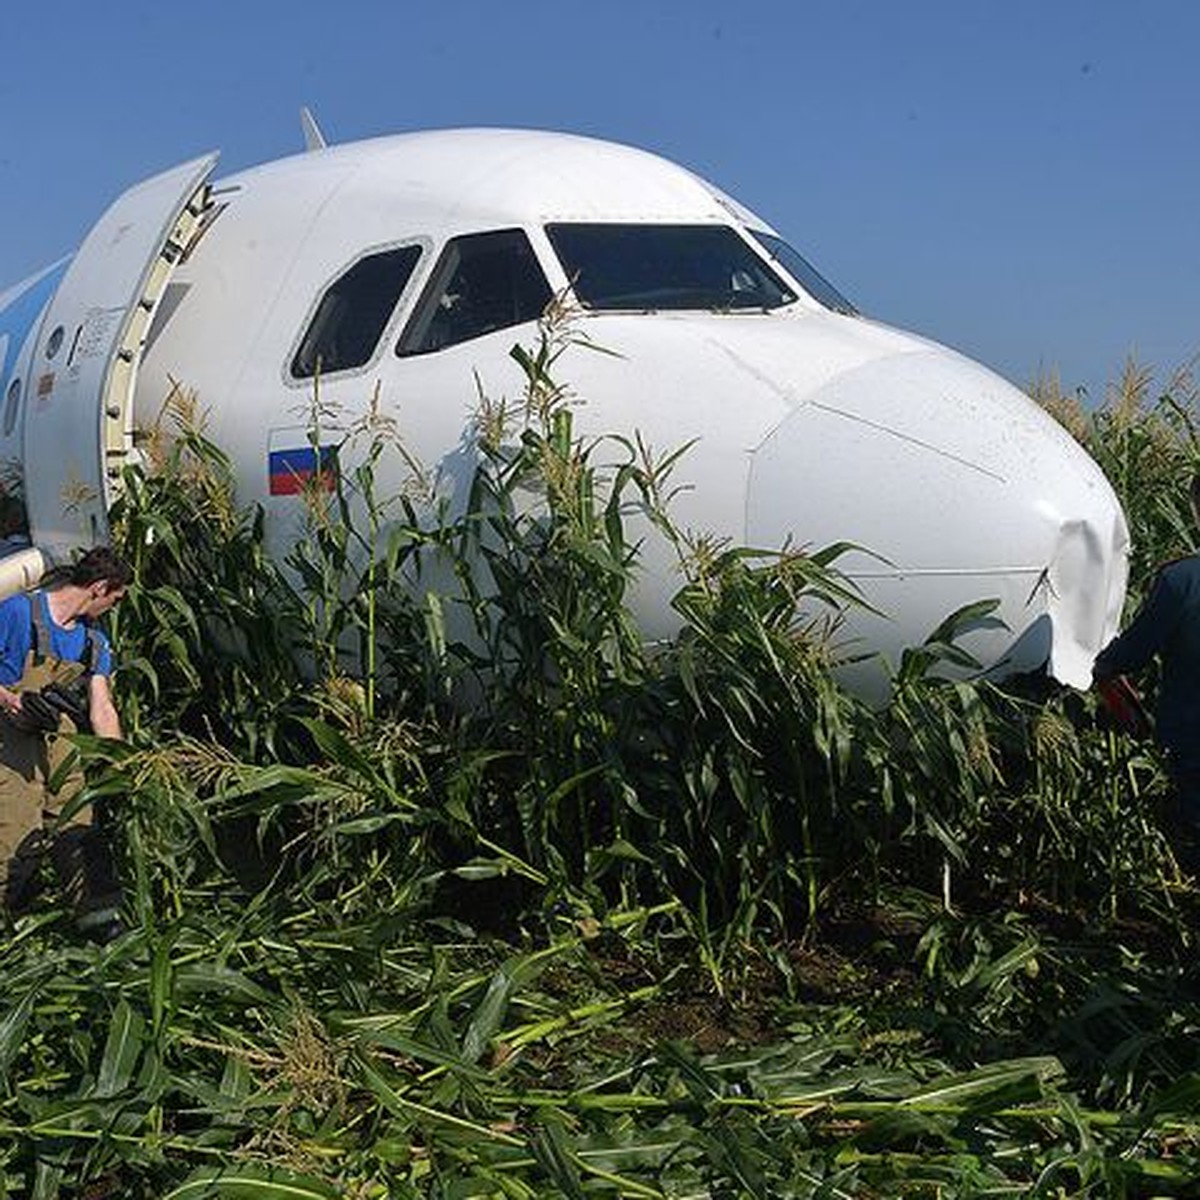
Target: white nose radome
<point>957,488</point>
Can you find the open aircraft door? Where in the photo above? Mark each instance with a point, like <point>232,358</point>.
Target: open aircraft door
<point>79,408</point>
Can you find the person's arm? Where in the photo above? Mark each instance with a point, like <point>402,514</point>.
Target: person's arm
<point>102,711</point>
<point>1148,633</point>
<point>14,645</point>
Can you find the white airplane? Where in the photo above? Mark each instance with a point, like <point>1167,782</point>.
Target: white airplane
<point>414,263</point>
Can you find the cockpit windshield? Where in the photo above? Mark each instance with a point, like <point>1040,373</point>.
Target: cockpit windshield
<point>800,269</point>
<point>647,267</point>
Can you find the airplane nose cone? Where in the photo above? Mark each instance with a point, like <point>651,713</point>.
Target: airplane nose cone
<point>958,488</point>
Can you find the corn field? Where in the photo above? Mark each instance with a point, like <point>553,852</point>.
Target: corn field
<point>465,891</point>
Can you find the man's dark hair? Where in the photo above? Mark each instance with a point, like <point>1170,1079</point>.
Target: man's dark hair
<point>99,564</point>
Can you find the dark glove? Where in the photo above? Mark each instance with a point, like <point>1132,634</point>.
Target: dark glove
<point>37,714</point>
<point>71,701</point>
<point>1124,705</point>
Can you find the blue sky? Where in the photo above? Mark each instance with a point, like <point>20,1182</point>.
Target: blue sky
<point>1017,179</point>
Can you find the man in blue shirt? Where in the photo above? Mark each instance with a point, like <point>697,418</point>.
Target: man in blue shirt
<point>48,638</point>
<point>1168,624</point>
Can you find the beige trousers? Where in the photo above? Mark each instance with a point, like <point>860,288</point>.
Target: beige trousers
<point>39,777</point>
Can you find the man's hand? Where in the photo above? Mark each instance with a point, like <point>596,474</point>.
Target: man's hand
<point>10,701</point>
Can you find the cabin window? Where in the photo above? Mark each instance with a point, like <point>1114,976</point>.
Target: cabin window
<point>647,267</point>
<point>800,269</point>
<point>12,406</point>
<point>353,313</point>
<point>482,282</point>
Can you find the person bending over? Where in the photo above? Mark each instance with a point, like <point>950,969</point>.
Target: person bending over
<point>1168,625</point>
<point>55,670</point>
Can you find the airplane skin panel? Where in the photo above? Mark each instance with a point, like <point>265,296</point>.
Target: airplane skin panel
<point>78,419</point>
<point>1084,593</point>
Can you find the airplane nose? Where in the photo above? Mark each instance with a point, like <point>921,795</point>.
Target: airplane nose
<point>957,488</point>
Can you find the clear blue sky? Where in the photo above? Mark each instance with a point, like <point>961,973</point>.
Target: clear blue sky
<point>1016,178</point>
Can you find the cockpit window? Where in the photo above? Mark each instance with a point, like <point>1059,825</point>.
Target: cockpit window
<point>482,282</point>
<point>353,313</point>
<point>800,269</point>
<point>615,266</point>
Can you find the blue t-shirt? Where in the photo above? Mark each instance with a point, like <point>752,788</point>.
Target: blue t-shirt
<point>16,638</point>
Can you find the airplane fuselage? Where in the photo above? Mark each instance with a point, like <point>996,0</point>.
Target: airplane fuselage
<point>407,267</point>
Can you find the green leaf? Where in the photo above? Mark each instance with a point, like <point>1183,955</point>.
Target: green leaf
<point>162,980</point>
<point>337,747</point>
<point>47,1181</point>
<point>1181,1098</point>
<point>12,1030</point>
<point>245,1182</point>
<point>976,1089</point>
<point>489,1016</point>
<point>122,1049</point>
<point>202,978</point>
<point>550,1148</point>
<point>363,825</point>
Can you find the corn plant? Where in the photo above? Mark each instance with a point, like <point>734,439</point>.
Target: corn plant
<point>441,883</point>
<point>205,625</point>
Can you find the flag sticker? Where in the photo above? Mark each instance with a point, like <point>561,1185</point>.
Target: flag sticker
<point>291,470</point>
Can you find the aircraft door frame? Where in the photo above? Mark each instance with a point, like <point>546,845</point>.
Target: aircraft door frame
<point>78,420</point>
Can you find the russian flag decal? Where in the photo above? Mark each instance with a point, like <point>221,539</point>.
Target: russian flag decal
<point>291,470</point>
